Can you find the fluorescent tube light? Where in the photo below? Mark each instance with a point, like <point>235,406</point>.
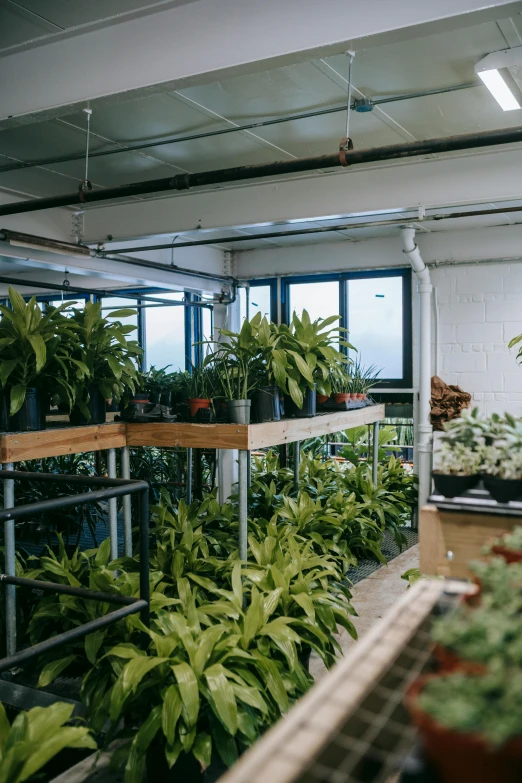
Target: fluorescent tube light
<point>499,89</point>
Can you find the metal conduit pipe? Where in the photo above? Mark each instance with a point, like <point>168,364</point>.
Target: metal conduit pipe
<point>235,129</point>
<point>425,430</point>
<point>344,157</point>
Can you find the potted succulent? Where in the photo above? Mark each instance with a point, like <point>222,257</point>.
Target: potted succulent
<point>471,725</point>
<point>458,469</point>
<point>36,362</point>
<point>340,384</point>
<point>363,379</point>
<point>502,467</point>
<point>110,359</point>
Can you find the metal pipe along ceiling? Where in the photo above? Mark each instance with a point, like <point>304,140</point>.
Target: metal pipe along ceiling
<point>23,164</point>
<point>182,182</point>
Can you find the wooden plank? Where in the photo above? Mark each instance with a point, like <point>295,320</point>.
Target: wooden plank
<point>274,433</point>
<point>252,436</point>
<point>17,446</point>
<point>462,534</point>
<point>196,436</point>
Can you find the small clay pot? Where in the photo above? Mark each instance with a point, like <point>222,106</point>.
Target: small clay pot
<point>451,486</point>
<point>321,398</point>
<point>360,396</point>
<point>196,403</point>
<point>509,555</point>
<point>448,661</point>
<point>460,757</point>
<point>341,397</point>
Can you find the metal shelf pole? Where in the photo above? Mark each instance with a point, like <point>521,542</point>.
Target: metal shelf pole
<point>297,462</point>
<point>375,452</point>
<point>243,504</point>
<point>127,503</point>
<point>113,506</point>
<point>10,566</point>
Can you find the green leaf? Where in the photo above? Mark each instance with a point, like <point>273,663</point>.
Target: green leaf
<point>172,706</point>
<point>123,313</point>
<point>5,728</point>
<point>202,749</point>
<point>17,398</point>
<point>136,669</point>
<point>6,368</point>
<point>135,767</point>
<point>51,670</point>
<point>38,346</point>
<point>115,366</point>
<point>189,691</point>
<point>295,392</point>
<point>224,702</point>
<point>93,642</point>
<point>17,302</point>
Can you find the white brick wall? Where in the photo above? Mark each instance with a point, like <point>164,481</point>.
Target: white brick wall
<point>480,310</point>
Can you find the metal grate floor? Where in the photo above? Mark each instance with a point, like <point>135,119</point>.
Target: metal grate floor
<point>390,551</point>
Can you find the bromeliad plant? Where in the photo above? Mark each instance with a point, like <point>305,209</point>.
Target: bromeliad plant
<point>38,350</point>
<point>35,738</point>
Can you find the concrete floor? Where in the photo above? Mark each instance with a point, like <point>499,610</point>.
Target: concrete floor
<point>371,599</point>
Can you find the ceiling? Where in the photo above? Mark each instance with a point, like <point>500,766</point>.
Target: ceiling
<point>29,23</point>
<point>442,61</point>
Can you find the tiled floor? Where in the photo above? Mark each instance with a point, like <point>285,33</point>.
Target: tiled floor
<point>372,598</point>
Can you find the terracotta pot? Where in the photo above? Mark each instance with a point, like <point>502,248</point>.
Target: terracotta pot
<point>449,661</point>
<point>353,397</point>
<point>322,398</point>
<point>360,396</point>
<point>341,397</point>
<point>509,555</point>
<point>195,403</point>
<point>460,757</point>
<point>365,397</point>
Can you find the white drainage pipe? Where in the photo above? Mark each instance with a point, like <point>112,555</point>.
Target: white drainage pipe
<point>425,430</point>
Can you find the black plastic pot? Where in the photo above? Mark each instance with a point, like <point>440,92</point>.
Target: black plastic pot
<point>309,408</point>
<point>4,411</point>
<point>451,486</point>
<point>31,416</point>
<point>265,404</point>
<point>503,490</point>
<point>97,408</point>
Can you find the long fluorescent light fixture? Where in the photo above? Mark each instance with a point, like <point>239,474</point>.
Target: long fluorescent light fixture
<point>488,70</point>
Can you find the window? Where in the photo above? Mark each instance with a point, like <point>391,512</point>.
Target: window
<point>375,318</point>
<point>258,299</point>
<point>112,303</point>
<point>207,323</point>
<point>165,333</point>
<point>320,300</point>
<point>375,307</point>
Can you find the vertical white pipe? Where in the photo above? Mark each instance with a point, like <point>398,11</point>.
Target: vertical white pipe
<point>127,503</point>
<point>10,566</point>
<point>113,508</point>
<point>425,430</point>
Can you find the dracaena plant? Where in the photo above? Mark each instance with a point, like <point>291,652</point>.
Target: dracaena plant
<point>36,350</point>
<point>311,351</point>
<point>234,359</point>
<point>203,688</point>
<point>109,356</point>
<point>35,737</point>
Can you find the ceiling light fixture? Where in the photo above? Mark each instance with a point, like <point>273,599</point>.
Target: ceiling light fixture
<point>488,70</point>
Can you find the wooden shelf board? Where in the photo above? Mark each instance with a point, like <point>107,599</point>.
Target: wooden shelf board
<point>18,446</point>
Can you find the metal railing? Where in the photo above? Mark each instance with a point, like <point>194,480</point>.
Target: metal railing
<point>103,489</point>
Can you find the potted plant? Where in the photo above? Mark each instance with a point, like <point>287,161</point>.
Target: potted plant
<point>471,725</point>
<point>198,389</point>
<point>509,546</point>
<point>234,361</point>
<point>270,360</point>
<point>502,467</point>
<point>363,379</point>
<point>36,361</point>
<point>311,351</point>
<point>110,359</point>
<point>340,385</point>
<point>458,469</point>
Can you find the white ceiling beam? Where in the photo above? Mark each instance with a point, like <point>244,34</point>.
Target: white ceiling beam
<point>459,246</point>
<point>434,182</point>
<point>36,264</point>
<point>208,40</point>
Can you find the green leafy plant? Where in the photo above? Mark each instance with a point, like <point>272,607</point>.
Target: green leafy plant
<point>234,360</point>
<point>516,341</point>
<point>37,351</point>
<point>106,352</point>
<point>199,384</point>
<point>35,737</point>
<point>458,460</point>
<point>512,540</point>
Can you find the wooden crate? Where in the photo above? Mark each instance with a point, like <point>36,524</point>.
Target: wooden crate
<point>463,534</point>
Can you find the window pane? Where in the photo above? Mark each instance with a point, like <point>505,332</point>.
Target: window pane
<point>80,304</point>
<point>120,303</point>
<point>375,323</point>
<point>259,301</point>
<point>207,323</point>
<point>165,334</point>
<point>320,299</point>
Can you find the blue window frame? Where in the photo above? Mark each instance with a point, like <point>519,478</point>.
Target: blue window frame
<point>375,307</point>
